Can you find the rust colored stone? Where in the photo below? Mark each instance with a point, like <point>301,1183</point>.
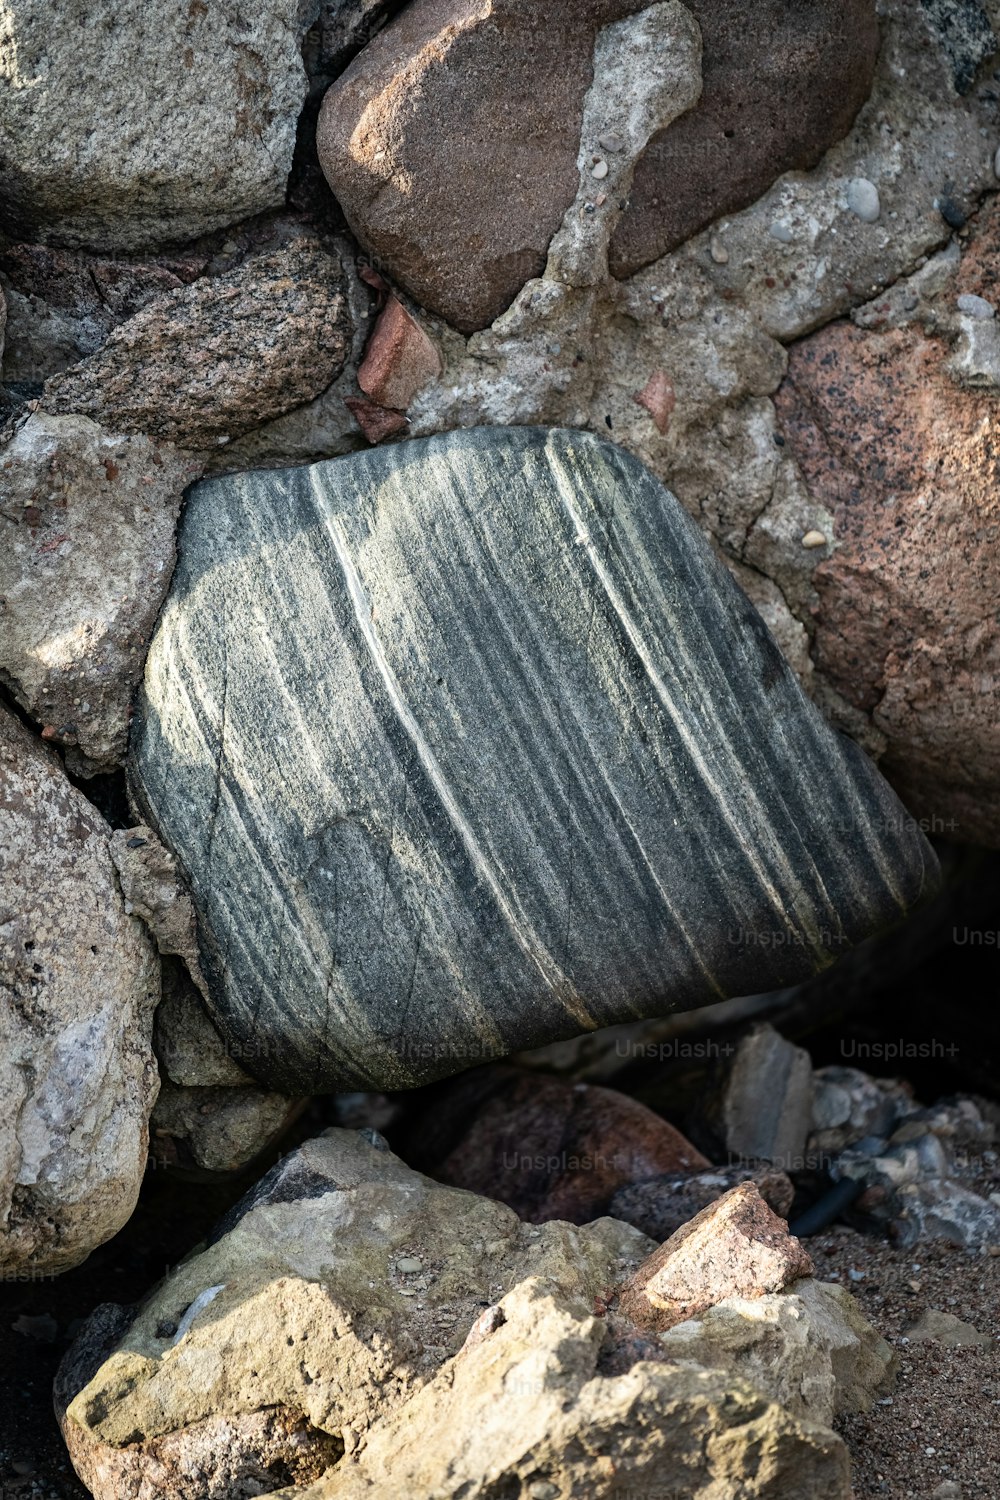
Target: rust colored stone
<point>399,359</point>
<point>376,422</point>
<point>659,399</point>
<point>908,618</point>
<point>547,1148</point>
<point>736,1247</point>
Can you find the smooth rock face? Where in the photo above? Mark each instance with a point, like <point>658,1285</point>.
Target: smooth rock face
<point>463,217</point>
<point>905,464</point>
<point>86,551</point>
<point>470,744</point>
<point>210,361</point>
<point>548,1149</point>
<point>78,983</point>
<point>781,83</point>
<point>126,126</point>
<point>764,1109</point>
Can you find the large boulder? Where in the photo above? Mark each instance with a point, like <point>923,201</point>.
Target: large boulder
<point>126,126</point>
<point>472,743</point>
<point>86,552</point>
<point>79,980</point>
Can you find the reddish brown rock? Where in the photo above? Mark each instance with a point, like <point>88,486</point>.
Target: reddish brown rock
<point>463,215</point>
<point>376,422</point>
<point>213,360</point>
<point>548,1149</point>
<point>451,143</point>
<point>734,1248</point>
<point>399,359</point>
<point>659,399</point>
<point>907,620</point>
<point>781,84</point>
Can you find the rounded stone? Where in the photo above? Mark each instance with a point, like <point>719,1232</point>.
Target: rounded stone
<point>863,200</point>
<point>471,744</point>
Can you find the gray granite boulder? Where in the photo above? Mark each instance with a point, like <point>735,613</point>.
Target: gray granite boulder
<point>472,743</point>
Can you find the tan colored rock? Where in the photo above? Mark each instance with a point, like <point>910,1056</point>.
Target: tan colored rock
<point>734,1248</point>
<point>217,1130</point>
<point>905,623</point>
<point>400,358</point>
<point>147,873</point>
<point>192,1052</point>
<point>526,1411</point>
<point>210,361</point>
<point>810,1348</point>
<point>79,980</point>
<point>338,1287</point>
<point>126,126</point>
<point>937,1327</point>
<point>86,553</point>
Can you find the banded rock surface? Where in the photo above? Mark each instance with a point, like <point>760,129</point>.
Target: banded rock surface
<point>472,743</point>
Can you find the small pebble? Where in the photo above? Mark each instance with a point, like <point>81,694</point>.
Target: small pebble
<point>408,1266</point>
<point>863,200</point>
<point>856,1275</point>
<point>976,307</point>
<point>996,163</point>
<point>600,168</point>
<point>951,213</point>
<point>780,229</point>
<point>614,142</point>
<point>718,252</point>
<point>814,539</point>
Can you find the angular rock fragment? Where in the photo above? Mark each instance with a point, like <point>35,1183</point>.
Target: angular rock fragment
<point>764,1106</point>
<point>126,127</point>
<point>217,1130</point>
<point>468,744</point>
<point>334,1291</point>
<point>79,980</point>
<point>734,1248</point>
<point>87,522</point>
<point>399,359</point>
<point>549,1150</point>
<point>208,362</point>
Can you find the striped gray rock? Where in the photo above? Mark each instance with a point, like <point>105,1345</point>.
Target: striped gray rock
<point>470,744</point>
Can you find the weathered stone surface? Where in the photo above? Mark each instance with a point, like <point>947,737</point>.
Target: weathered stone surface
<point>63,304</point>
<point>905,465</point>
<point>334,1291</point>
<point>935,1326</point>
<point>734,1248</point>
<point>527,1411</point>
<point>849,1105</point>
<point>661,1205</point>
<point>764,1105</point>
<point>78,983</point>
<point>216,1130</point>
<point>208,362</point>
<point>463,219</point>
<point>810,1348</point>
<point>126,127</point>
<point>780,84</point>
<point>191,1051</point>
<point>464,222</point>
<point>548,1149</point>
<point>147,874</point>
<point>87,526</point>
<point>530,655</point>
